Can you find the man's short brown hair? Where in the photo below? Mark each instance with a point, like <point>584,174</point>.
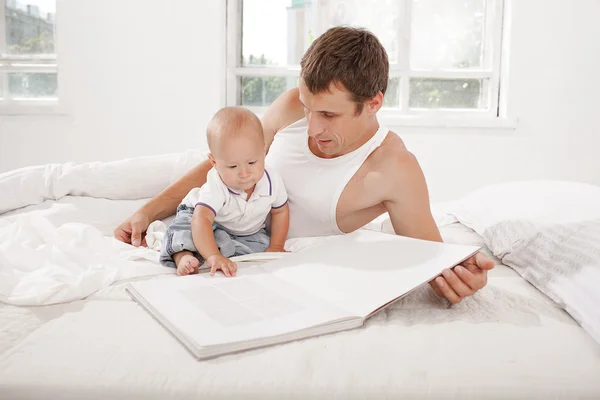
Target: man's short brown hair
<point>349,56</point>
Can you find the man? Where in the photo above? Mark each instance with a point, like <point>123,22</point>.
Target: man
<point>341,169</point>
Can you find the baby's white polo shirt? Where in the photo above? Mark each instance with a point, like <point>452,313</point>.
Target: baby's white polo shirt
<point>233,211</point>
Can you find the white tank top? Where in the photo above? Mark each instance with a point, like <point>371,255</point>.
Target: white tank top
<point>314,184</point>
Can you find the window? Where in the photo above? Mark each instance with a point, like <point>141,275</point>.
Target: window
<point>28,71</point>
<point>444,54</point>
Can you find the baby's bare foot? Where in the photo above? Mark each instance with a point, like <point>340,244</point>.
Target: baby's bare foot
<point>187,264</point>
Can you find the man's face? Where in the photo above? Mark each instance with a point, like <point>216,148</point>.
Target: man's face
<point>333,123</point>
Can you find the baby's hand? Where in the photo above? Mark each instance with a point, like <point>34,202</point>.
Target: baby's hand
<point>275,249</point>
<point>217,262</point>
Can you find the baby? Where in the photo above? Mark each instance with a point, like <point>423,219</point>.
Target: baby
<point>226,216</point>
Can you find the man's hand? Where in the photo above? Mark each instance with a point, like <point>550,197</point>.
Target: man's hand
<point>133,230</point>
<point>465,280</point>
<point>275,249</point>
<point>217,261</point>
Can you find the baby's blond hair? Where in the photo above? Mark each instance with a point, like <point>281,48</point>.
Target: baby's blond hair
<point>231,122</point>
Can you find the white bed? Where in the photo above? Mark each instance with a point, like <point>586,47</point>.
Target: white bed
<point>507,341</point>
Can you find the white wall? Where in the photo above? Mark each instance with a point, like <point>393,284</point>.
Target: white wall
<point>143,80</point>
<point>140,78</point>
<point>554,83</point>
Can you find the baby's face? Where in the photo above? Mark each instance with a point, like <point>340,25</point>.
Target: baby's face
<point>240,161</point>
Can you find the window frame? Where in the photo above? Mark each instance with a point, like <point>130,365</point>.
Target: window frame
<point>495,116</point>
<point>26,63</point>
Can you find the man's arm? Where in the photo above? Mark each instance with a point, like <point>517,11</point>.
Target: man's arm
<point>284,111</point>
<point>407,203</point>
<point>161,206</point>
<point>408,199</point>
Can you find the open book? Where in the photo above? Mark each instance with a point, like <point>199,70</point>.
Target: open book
<point>333,286</point>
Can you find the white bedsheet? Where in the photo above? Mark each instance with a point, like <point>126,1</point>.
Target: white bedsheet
<point>507,341</point>
<point>41,264</point>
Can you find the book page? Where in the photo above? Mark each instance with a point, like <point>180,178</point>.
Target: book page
<point>258,257</point>
<point>238,302</point>
<point>365,270</point>
<point>249,259</point>
<point>213,310</point>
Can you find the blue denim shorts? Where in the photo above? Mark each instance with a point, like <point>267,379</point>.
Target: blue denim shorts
<point>179,238</point>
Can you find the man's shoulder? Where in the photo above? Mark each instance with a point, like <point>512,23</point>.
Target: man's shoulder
<point>392,157</point>
<point>392,166</point>
<point>284,111</point>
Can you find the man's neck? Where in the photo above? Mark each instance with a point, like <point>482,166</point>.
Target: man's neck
<point>370,131</point>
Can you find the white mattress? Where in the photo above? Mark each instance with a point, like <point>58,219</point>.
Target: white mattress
<point>508,341</point>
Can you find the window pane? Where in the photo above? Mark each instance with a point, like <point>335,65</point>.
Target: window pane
<point>438,93</point>
<point>379,16</point>
<point>392,94</point>
<point>447,34</point>
<point>32,85</point>
<point>278,32</point>
<point>275,32</point>
<point>30,26</point>
<point>262,91</point>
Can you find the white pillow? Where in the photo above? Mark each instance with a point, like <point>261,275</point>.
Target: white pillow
<point>561,260</point>
<point>129,179</point>
<point>543,202</point>
<point>549,233</point>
